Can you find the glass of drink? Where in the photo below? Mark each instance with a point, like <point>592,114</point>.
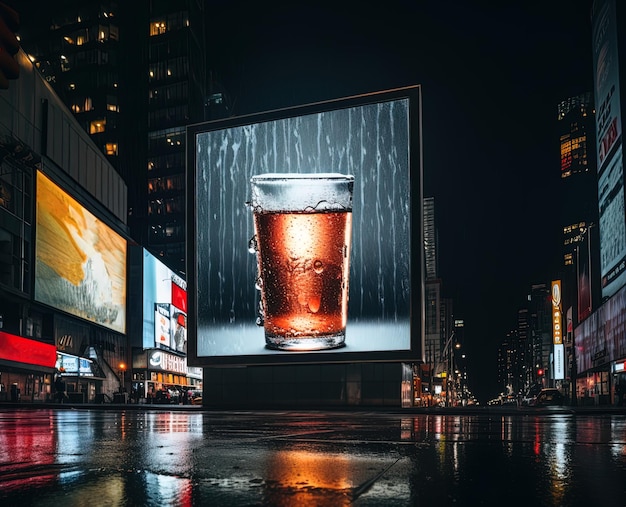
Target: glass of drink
<point>303,230</point>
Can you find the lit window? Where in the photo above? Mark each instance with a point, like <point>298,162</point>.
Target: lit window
<point>97,126</point>
<point>110,148</point>
<point>88,104</point>
<point>157,27</point>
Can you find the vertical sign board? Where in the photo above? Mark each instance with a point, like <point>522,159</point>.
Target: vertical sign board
<point>557,331</point>
<point>609,148</point>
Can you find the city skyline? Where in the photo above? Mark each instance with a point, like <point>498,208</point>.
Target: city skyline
<point>492,79</point>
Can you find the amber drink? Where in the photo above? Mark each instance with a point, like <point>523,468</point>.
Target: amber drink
<point>303,228</point>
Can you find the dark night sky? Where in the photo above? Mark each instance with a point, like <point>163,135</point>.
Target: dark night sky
<point>492,76</point>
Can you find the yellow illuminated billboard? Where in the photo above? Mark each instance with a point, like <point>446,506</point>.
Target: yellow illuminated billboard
<point>80,262</point>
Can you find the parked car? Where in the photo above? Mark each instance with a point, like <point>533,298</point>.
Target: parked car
<point>196,397</point>
<point>549,396</point>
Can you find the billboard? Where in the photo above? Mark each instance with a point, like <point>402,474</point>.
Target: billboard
<point>583,272</point>
<point>559,362</point>
<point>557,314</point>
<point>601,338</point>
<point>164,306</point>
<point>80,262</point>
<point>609,148</point>
<point>370,144</point>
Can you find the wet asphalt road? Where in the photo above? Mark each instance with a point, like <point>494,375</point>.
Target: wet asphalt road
<point>160,456</point>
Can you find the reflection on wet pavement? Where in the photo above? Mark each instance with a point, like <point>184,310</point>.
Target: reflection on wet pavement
<point>280,458</point>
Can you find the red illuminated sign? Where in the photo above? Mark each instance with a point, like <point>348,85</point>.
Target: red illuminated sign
<point>179,297</point>
<point>24,350</point>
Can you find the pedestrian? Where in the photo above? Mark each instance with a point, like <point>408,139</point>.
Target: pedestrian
<point>59,386</point>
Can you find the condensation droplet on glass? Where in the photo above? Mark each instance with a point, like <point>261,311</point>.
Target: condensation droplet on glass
<point>252,245</point>
<point>260,320</point>
<point>314,303</point>
<point>258,283</point>
<point>318,266</point>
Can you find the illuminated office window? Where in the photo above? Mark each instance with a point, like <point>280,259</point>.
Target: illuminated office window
<point>97,126</point>
<point>158,27</point>
<point>110,149</point>
<point>112,103</point>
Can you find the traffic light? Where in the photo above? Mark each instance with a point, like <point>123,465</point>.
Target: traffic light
<point>540,372</point>
<point>9,23</point>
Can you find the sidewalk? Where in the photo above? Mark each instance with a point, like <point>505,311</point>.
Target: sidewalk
<point>497,410</point>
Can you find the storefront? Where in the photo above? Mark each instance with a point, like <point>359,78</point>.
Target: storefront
<point>81,377</point>
<point>601,353</point>
<point>156,370</point>
<point>619,382</point>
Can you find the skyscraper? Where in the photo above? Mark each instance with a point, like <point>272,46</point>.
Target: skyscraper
<point>430,238</point>
<point>134,76</point>
<point>176,95</point>
<point>579,204</point>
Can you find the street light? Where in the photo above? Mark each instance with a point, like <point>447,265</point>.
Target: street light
<point>122,369</point>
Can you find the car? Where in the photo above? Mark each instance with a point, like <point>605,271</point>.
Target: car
<point>167,396</point>
<point>547,397</point>
<point>531,395</point>
<point>196,397</point>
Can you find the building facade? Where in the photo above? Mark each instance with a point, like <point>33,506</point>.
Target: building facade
<point>600,338</point>
<point>55,185</point>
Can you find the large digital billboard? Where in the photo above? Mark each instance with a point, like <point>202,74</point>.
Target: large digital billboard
<point>164,306</point>
<point>80,262</point>
<point>609,148</point>
<point>304,233</point>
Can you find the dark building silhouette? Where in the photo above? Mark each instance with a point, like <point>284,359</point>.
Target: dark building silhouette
<point>134,76</point>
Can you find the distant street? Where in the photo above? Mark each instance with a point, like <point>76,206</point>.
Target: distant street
<point>114,456</point>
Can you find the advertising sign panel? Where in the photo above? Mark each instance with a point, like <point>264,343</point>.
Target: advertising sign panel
<point>23,350</point>
<point>583,268</point>
<point>80,262</point>
<point>609,148</point>
<point>557,316</point>
<point>256,293</point>
<point>164,306</point>
<point>601,338</point>
<point>69,365</point>
<point>559,362</point>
